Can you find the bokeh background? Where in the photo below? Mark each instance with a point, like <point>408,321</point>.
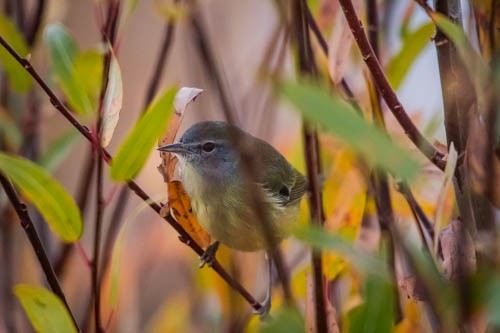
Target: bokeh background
<point>161,288</point>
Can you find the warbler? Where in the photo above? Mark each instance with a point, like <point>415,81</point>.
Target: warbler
<point>212,172</point>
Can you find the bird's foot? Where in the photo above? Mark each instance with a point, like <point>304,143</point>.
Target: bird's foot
<point>264,310</point>
<point>208,257</point>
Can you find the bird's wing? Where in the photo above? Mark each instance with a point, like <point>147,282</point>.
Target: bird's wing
<point>284,187</point>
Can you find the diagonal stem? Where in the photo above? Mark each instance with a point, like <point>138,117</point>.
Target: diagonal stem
<point>388,94</point>
<point>40,252</point>
<point>106,156</point>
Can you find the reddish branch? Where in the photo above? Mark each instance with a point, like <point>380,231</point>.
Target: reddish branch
<point>183,235</point>
<point>385,89</point>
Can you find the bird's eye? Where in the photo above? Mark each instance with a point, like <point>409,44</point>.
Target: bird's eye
<point>208,146</point>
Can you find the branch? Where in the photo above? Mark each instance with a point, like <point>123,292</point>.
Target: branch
<point>307,66</point>
<point>184,236</point>
<point>379,178</point>
<point>108,37</point>
<point>435,156</point>
<point>36,20</point>
<point>30,231</point>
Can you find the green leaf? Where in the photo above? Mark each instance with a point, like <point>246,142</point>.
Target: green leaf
<point>58,150</point>
<point>63,51</point>
<point>50,198</point>
<point>18,77</point>
<point>338,117</point>
<point>320,239</point>
<point>88,68</point>
<point>377,311</point>
<point>284,320</point>
<point>134,151</point>
<point>112,104</point>
<point>45,310</point>
<point>413,44</point>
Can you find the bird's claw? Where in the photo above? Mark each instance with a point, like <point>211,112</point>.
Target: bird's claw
<point>264,310</point>
<point>208,258</point>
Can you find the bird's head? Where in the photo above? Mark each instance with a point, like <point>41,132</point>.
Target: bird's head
<point>207,146</point>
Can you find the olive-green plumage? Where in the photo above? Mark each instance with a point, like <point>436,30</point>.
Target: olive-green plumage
<point>212,174</point>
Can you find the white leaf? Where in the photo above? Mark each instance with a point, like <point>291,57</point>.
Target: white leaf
<point>112,103</point>
<point>184,96</point>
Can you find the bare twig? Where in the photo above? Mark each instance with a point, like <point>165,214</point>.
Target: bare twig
<point>307,66</point>
<point>184,236</point>
<point>34,29</point>
<point>379,178</point>
<point>435,156</point>
<point>425,227</point>
<point>108,36</point>
<point>30,231</point>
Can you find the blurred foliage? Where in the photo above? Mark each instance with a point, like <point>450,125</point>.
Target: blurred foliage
<point>49,197</point>
<point>153,285</point>
<point>18,78</point>
<point>45,310</point>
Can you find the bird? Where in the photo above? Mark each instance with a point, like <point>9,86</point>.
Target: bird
<point>213,173</point>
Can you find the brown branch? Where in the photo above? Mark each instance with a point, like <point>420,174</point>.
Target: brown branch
<point>379,178</point>
<point>435,156</point>
<point>108,37</point>
<point>184,236</point>
<point>40,252</point>
<point>307,66</point>
<point>425,227</point>
<point>36,20</point>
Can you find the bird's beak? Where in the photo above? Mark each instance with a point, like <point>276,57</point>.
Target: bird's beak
<point>177,148</point>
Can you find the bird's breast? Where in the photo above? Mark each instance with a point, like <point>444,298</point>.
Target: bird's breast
<point>223,210</point>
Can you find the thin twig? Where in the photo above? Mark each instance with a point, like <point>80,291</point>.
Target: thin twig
<point>108,36</point>
<point>81,201</point>
<point>434,155</point>
<point>36,21</point>
<point>261,215</point>
<point>425,227</point>
<point>307,66</point>
<point>184,236</point>
<point>379,178</point>
<point>30,231</point>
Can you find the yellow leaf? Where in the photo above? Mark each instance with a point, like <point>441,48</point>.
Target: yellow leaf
<point>411,320</point>
<point>180,207</point>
